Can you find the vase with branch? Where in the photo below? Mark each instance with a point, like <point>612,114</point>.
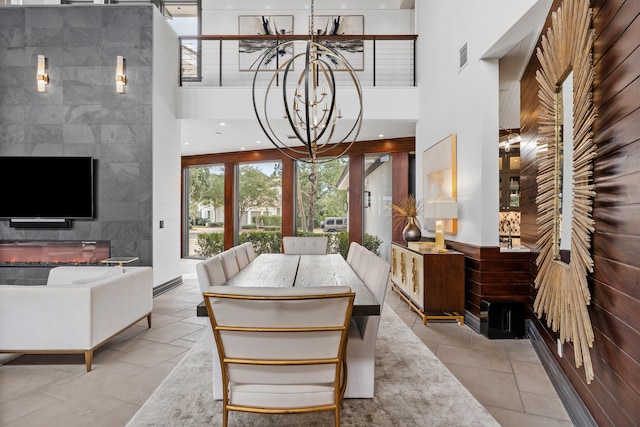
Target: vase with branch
<point>408,209</point>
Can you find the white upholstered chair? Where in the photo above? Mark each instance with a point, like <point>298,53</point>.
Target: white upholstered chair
<point>241,256</point>
<point>305,245</point>
<point>354,255</point>
<point>374,272</point>
<point>251,253</point>
<point>281,349</point>
<point>210,272</point>
<point>230,263</point>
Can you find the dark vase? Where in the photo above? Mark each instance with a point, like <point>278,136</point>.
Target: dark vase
<point>411,232</point>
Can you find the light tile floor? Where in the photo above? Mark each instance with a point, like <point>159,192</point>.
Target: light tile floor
<point>41,390</point>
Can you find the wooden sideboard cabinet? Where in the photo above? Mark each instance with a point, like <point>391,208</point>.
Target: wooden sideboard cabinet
<point>431,283</point>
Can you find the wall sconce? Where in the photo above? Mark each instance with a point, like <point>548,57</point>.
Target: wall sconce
<point>441,209</point>
<point>367,199</point>
<point>42,79</point>
<point>121,80</point>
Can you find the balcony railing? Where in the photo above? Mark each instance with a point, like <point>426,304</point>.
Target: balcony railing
<point>229,60</point>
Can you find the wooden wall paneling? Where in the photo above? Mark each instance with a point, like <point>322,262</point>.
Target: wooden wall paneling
<point>623,309</point>
<point>613,81</point>
<point>625,104</point>
<point>288,198</point>
<point>613,387</point>
<point>610,137</point>
<point>400,189</point>
<point>603,13</point>
<point>574,375</point>
<point>619,247</point>
<point>621,165</point>
<point>621,277</point>
<point>608,215</point>
<point>229,205</point>
<point>616,36</point>
<point>494,275</point>
<point>397,145</point>
<point>356,182</point>
<point>528,167</point>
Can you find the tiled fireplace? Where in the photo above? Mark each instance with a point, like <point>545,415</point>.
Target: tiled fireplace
<point>42,253</point>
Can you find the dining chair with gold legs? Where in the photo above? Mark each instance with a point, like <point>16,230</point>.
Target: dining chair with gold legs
<point>281,350</point>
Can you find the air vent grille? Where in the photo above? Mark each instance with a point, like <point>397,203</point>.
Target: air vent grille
<point>463,56</point>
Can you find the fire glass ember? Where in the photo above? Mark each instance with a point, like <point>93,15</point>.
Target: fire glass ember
<point>47,253</point>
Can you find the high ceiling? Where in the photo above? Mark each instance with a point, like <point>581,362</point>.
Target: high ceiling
<point>210,136</point>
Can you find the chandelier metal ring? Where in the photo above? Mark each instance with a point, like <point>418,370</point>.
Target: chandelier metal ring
<point>311,113</point>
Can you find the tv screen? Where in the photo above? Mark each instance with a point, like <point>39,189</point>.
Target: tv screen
<point>46,187</point>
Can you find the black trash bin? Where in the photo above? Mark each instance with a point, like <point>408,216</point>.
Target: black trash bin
<point>502,319</point>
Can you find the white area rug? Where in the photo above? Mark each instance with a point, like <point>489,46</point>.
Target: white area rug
<point>413,388</point>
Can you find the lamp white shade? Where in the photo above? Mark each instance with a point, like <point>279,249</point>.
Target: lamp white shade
<point>441,209</point>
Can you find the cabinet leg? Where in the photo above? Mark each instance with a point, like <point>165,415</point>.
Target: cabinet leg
<point>453,316</point>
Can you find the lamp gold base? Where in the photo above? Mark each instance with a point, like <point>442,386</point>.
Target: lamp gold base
<point>440,246</point>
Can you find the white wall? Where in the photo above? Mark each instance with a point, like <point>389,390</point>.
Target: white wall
<point>464,102</point>
<point>166,153</point>
<point>377,217</point>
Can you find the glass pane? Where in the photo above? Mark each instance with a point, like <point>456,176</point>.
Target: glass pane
<point>514,192</point>
<point>183,18</point>
<point>206,210</point>
<point>260,206</point>
<point>321,202</point>
<point>378,184</point>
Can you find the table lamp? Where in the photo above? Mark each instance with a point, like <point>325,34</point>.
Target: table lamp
<point>441,209</point>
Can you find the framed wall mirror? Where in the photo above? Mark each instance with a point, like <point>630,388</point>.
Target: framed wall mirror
<point>565,153</point>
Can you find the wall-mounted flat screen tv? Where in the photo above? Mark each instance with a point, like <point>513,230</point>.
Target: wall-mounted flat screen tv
<point>46,187</point>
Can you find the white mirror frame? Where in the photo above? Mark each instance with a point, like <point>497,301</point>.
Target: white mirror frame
<point>563,292</point>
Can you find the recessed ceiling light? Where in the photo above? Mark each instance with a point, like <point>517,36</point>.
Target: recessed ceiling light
<point>223,124</point>
<point>186,143</point>
<point>381,136</point>
<point>258,142</point>
<point>242,148</point>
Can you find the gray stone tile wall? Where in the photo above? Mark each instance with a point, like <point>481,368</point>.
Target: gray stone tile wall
<point>80,114</point>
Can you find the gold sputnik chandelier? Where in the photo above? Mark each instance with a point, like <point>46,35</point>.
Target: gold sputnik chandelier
<point>298,104</point>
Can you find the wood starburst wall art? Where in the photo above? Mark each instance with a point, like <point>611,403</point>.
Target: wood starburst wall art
<point>563,291</point>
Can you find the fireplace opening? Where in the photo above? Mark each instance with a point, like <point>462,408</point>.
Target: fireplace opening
<point>53,253</point>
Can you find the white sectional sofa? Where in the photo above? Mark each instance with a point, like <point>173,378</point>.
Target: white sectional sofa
<point>79,309</point>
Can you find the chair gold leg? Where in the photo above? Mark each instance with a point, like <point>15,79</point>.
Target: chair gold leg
<point>225,416</point>
<point>149,320</point>
<point>337,417</point>
<point>88,358</point>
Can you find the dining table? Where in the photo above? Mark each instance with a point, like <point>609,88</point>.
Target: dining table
<point>285,270</point>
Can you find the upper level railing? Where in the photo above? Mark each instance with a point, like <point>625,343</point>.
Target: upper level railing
<point>229,60</point>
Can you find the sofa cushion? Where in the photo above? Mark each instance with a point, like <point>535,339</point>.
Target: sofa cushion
<point>111,272</point>
<point>80,274</point>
